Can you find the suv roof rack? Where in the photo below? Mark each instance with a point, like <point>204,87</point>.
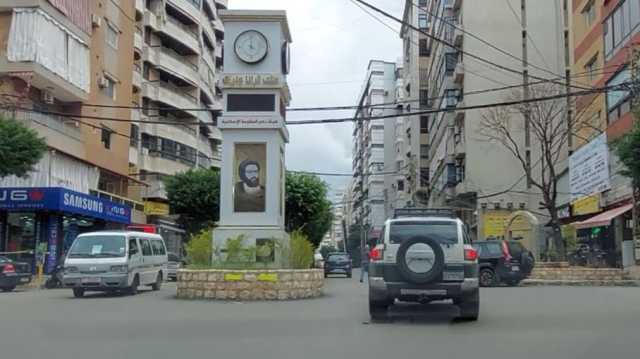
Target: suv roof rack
<point>424,212</point>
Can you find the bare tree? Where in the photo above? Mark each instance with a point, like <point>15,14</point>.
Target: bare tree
<point>537,134</point>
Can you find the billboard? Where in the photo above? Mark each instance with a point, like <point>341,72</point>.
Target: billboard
<point>589,169</point>
<point>250,174</point>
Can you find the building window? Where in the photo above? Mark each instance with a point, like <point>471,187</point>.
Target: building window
<point>105,138</point>
<point>589,13</point>
<point>424,49</point>
<point>400,186</point>
<point>109,87</point>
<point>452,97</point>
<point>135,135</point>
<point>591,68</point>
<point>422,3</point>
<point>424,151</point>
<point>618,100</point>
<point>619,25</point>
<point>423,21</point>
<point>111,36</point>
<point>424,124</point>
<point>424,99</point>
<point>424,177</point>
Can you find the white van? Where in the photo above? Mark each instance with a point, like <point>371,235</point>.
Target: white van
<point>115,261</point>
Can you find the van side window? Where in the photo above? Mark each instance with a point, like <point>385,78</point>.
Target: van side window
<point>133,246</point>
<point>146,247</point>
<point>158,248</point>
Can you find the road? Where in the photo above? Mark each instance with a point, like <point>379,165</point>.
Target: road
<point>541,322</point>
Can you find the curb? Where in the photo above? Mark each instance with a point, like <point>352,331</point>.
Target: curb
<point>579,283</point>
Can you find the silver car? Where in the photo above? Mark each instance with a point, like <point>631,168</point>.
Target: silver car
<point>174,263</point>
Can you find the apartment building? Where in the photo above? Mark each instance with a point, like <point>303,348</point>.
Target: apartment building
<point>413,142</point>
<point>371,164</point>
<point>177,60</point>
<point>604,33</point>
<point>64,65</point>
<point>481,179</point>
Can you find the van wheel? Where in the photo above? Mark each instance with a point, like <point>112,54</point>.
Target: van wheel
<point>78,292</point>
<point>158,284</point>
<point>133,290</point>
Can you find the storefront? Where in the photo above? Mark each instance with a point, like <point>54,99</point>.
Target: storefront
<point>38,225</point>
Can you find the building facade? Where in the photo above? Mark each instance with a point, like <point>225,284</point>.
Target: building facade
<point>605,35</point>
<point>481,179</point>
<point>372,168</point>
<point>64,66</point>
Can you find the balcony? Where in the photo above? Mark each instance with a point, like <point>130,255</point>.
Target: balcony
<point>176,97</point>
<point>61,133</point>
<point>174,29</point>
<point>458,36</point>
<point>191,8</point>
<point>136,80</point>
<point>218,26</point>
<point>207,26</point>
<point>221,4</point>
<point>138,43</point>
<point>178,65</point>
<point>139,5</point>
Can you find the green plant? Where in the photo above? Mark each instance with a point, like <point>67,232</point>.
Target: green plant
<point>307,207</point>
<point>20,148</point>
<point>199,248</point>
<point>300,251</point>
<point>627,148</point>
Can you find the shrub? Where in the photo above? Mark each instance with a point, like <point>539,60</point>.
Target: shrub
<point>300,251</point>
<point>199,248</point>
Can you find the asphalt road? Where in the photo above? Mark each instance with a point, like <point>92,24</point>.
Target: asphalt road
<point>539,322</point>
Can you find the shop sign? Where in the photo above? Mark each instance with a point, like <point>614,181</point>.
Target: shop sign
<point>589,168</point>
<point>53,224</point>
<point>564,212</point>
<point>251,81</point>
<point>249,122</point>
<point>63,200</point>
<point>495,224</point>
<point>586,205</point>
<point>152,208</point>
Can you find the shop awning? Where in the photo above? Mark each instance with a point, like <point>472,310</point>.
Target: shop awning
<point>603,219</point>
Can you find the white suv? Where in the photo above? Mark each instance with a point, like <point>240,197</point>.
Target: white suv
<point>422,258</point>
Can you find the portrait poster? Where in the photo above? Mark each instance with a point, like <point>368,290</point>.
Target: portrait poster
<point>250,174</point>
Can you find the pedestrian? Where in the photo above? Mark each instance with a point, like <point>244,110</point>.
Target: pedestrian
<point>364,263</point>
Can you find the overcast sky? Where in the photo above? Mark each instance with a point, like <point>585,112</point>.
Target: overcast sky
<point>333,41</point>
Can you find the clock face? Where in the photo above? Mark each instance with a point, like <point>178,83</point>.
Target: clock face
<point>251,46</point>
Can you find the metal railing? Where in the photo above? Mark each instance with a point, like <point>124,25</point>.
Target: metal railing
<point>176,56</point>
<point>184,27</point>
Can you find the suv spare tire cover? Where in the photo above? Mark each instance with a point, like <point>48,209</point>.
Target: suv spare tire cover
<point>403,258</point>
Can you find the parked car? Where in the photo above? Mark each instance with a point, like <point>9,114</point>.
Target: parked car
<point>507,262</point>
<point>318,260</point>
<point>13,274</point>
<point>115,261</point>
<point>424,257</point>
<point>174,263</point>
<point>338,263</point>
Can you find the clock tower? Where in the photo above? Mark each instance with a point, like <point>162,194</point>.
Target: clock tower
<point>254,132</point>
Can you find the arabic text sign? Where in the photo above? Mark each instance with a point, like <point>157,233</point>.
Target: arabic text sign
<point>589,168</point>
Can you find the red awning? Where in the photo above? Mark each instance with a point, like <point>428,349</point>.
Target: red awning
<point>603,219</point>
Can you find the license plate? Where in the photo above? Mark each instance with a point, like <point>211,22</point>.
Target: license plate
<point>515,268</point>
<point>91,280</point>
<point>423,291</point>
<point>24,280</point>
<point>450,276</point>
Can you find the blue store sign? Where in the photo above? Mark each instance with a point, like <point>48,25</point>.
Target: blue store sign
<point>63,200</point>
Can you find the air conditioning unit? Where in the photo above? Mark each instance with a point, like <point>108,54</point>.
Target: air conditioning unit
<point>103,82</point>
<point>96,20</point>
<point>47,97</point>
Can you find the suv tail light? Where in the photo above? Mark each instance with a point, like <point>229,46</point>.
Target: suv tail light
<point>9,268</point>
<point>506,255</point>
<point>377,253</point>
<point>470,253</point>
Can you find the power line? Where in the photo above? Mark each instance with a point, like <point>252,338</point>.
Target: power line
<point>453,46</point>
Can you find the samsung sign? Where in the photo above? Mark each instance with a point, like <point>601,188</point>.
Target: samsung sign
<point>63,200</point>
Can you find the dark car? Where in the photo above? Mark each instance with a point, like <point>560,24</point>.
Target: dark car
<point>338,263</point>
<point>13,274</point>
<point>507,262</point>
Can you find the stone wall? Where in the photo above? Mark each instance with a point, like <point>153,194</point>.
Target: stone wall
<point>283,284</point>
<point>577,273</point>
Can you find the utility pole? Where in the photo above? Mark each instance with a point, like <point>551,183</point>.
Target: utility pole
<point>635,105</point>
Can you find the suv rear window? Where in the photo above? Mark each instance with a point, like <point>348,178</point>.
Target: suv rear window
<point>338,258</point>
<point>444,232</point>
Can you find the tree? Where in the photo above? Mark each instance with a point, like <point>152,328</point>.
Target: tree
<point>195,196</point>
<point>549,132</point>
<point>20,148</point>
<point>307,207</point>
<point>627,148</point>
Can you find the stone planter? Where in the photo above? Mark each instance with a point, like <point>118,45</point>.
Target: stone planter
<point>220,284</point>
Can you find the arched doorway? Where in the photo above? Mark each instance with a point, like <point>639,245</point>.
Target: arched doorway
<point>529,236</point>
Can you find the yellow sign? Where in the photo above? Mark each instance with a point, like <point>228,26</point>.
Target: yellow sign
<point>268,277</point>
<point>495,224</point>
<point>156,208</point>
<point>586,205</point>
<point>232,277</point>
